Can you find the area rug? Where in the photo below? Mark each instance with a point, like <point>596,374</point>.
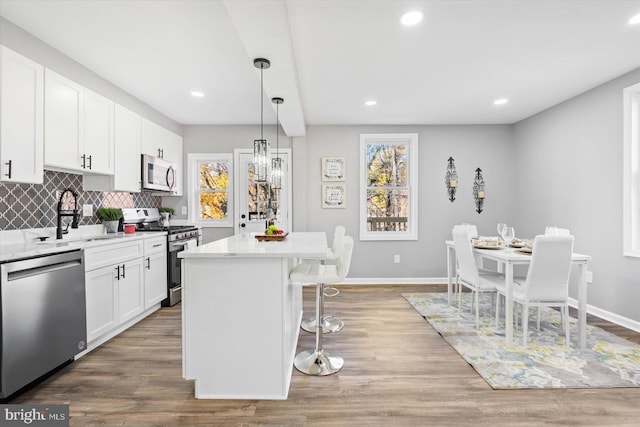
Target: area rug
<point>606,361</point>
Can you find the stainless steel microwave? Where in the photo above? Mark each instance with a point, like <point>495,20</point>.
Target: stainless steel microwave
<point>158,174</point>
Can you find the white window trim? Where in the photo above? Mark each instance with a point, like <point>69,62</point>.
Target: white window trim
<point>631,166</point>
<point>412,140</point>
<point>193,183</point>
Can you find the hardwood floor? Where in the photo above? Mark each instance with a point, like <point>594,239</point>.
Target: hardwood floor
<point>398,371</point>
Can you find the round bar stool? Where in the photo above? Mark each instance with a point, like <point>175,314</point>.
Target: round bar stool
<point>319,361</point>
<point>329,323</point>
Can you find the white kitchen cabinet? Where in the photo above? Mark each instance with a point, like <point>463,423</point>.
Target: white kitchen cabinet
<point>101,293</point>
<point>78,127</point>
<point>114,286</point>
<point>126,176</point>
<point>155,271</point>
<point>160,142</point>
<point>98,133</point>
<point>21,118</point>
<point>130,290</point>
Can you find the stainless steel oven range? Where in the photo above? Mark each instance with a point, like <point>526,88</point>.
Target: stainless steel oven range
<point>179,238</point>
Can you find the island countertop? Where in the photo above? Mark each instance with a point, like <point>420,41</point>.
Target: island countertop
<point>245,245</point>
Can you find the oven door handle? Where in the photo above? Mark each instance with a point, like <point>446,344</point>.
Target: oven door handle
<point>180,245</point>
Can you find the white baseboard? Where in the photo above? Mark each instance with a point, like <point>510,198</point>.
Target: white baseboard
<point>609,316</point>
<point>394,281</point>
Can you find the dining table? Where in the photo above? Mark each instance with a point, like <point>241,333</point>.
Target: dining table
<point>506,259</point>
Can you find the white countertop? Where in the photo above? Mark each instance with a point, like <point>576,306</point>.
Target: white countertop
<point>15,250</point>
<point>245,245</point>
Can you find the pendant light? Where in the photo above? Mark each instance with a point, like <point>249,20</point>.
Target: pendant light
<point>276,162</point>
<point>261,146</point>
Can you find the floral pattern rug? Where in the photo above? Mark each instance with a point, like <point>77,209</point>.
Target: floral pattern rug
<point>606,361</point>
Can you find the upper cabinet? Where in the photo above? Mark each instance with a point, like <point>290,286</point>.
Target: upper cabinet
<point>126,176</point>
<point>78,127</point>
<point>160,142</point>
<point>21,118</point>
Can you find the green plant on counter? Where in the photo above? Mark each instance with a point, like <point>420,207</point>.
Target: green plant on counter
<point>109,214</point>
<point>170,210</point>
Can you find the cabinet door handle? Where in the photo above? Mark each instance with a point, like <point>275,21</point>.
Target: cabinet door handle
<point>157,245</point>
<point>84,161</point>
<point>118,268</point>
<point>8,174</point>
<point>89,162</point>
<point>149,263</point>
<point>159,153</point>
<point>123,271</point>
<point>162,153</point>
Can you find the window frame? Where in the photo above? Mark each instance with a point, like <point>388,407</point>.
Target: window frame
<point>194,159</point>
<point>631,171</point>
<point>411,139</point>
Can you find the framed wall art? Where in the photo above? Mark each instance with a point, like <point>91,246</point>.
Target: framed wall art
<point>334,196</point>
<point>333,169</point>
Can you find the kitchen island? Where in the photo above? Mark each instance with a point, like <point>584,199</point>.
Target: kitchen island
<point>241,316</point>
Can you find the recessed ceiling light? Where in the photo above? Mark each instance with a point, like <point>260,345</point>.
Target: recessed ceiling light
<point>500,101</point>
<point>635,19</point>
<point>411,18</point>
<point>370,103</point>
<point>197,93</point>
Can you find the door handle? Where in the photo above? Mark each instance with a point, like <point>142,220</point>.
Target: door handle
<point>84,161</point>
<point>148,263</point>
<point>89,162</point>
<point>118,268</point>
<point>123,271</point>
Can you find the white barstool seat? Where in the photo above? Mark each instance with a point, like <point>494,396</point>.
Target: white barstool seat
<point>329,323</point>
<point>318,361</point>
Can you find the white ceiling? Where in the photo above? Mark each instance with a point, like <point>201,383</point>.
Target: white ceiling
<point>328,57</point>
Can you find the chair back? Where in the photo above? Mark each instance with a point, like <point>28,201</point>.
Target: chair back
<point>464,254</point>
<point>343,263</point>
<point>551,230</point>
<point>471,229</point>
<point>548,276</point>
<point>338,240</point>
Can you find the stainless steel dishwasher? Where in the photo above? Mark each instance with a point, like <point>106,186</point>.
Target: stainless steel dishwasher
<point>43,316</point>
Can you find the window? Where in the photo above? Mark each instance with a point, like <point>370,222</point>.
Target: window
<point>389,186</point>
<point>210,188</point>
<point>631,180</point>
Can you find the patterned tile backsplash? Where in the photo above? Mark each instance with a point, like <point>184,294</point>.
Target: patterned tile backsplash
<point>34,205</point>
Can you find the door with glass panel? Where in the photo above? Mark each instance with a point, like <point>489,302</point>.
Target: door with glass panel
<point>254,199</point>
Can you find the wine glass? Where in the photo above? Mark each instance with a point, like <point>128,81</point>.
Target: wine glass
<point>509,234</point>
<point>501,229</point>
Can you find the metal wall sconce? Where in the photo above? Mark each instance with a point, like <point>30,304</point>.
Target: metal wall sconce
<point>478,190</point>
<point>451,179</point>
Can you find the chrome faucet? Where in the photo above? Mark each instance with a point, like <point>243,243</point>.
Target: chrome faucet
<point>74,213</point>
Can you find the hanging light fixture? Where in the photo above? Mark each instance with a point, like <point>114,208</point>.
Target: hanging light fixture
<point>276,162</point>
<point>261,146</point>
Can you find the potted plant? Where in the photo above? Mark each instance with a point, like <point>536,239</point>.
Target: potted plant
<point>110,218</point>
<point>165,213</point>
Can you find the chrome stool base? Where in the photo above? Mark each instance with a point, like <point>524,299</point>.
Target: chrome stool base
<point>319,363</point>
<point>329,324</point>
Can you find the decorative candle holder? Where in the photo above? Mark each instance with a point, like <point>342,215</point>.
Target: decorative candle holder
<point>478,190</point>
<point>451,179</point>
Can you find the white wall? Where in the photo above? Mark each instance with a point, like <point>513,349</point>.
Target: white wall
<point>24,43</point>
<point>569,163</point>
<point>489,147</point>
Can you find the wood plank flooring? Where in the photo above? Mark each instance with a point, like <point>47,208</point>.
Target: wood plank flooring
<point>398,372</point>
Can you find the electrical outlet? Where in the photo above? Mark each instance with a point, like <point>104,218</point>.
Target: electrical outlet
<point>183,210</point>
<point>589,276</point>
<point>396,259</point>
<point>87,210</point>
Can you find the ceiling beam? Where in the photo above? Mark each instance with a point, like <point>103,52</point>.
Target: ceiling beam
<point>263,28</point>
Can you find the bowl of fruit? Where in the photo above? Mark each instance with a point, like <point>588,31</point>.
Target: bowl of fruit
<point>273,233</point>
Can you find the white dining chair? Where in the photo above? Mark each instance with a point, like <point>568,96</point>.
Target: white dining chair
<point>318,361</point>
<point>552,230</point>
<point>468,275</point>
<point>330,323</point>
<point>547,281</point>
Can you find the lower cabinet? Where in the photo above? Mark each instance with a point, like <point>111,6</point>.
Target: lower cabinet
<point>121,282</point>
